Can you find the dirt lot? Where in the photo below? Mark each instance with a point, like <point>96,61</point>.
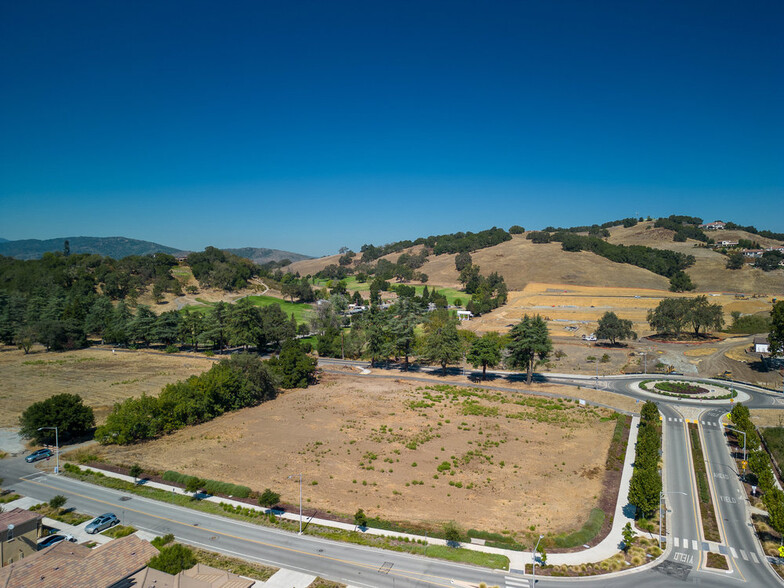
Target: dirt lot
<point>405,453</point>
<point>98,375</point>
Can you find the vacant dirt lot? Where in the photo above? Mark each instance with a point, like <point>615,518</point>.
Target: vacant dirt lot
<point>99,376</point>
<point>487,459</point>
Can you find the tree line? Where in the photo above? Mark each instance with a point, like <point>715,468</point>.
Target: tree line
<point>238,382</point>
<point>645,484</point>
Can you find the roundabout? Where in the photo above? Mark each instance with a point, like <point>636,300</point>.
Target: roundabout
<point>689,390</point>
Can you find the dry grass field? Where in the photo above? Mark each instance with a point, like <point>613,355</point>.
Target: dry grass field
<point>99,376</point>
<point>582,306</point>
<point>491,460</point>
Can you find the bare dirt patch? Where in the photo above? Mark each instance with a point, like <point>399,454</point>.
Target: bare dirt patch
<point>405,453</point>
<point>99,376</point>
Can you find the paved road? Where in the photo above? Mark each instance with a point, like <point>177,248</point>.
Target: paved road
<point>362,566</point>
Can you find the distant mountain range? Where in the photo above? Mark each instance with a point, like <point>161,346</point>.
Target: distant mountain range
<point>260,255</point>
<point>119,247</point>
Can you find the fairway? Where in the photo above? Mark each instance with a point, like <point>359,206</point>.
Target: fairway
<point>300,310</point>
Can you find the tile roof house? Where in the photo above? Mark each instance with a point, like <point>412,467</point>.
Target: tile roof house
<point>67,565</point>
<point>19,533</point>
<point>199,576</point>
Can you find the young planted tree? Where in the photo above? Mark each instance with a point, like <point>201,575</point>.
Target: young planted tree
<point>360,518</point>
<point>628,536</point>
<point>269,498</point>
<point>529,341</point>
<point>485,351</point>
<point>613,328</point>
<point>135,470</point>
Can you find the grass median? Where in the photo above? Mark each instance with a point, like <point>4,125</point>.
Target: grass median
<point>710,526</point>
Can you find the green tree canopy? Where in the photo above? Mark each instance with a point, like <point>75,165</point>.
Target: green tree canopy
<point>485,351</point>
<point>681,282</point>
<point>529,341</point>
<point>776,335</point>
<point>173,559</point>
<point>613,328</point>
<point>64,411</point>
<point>441,343</point>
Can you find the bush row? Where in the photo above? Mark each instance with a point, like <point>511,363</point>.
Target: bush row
<point>588,531</point>
<point>209,486</point>
<point>646,484</point>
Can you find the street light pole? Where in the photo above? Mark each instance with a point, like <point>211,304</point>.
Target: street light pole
<point>744,441</point>
<point>300,502</point>
<point>57,448</point>
<point>661,518</point>
<point>533,568</point>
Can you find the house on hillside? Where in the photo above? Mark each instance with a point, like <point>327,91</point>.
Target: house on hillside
<point>714,226</point>
<point>19,533</point>
<point>761,345</point>
<point>67,565</point>
<point>753,252</point>
<point>728,243</point>
<point>464,315</point>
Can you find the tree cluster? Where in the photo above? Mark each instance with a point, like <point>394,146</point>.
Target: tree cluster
<point>730,226</point>
<point>776,335</point>
<point>65,411</point>
<point>645,485</point>
<point>214,268</point>
<point>673,315</point>
<point>487,292</point>
<point>439,244</point>
<point>238,382</point>
<point>685,227</point>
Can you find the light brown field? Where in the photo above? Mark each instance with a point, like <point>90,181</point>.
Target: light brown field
<point>767,417</point>
<point>368,443</point>
<point>582,306</point>
<point>99,376</point>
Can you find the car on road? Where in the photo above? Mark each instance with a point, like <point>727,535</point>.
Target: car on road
<point>102,523</point>
<point>52,540</point>
<point>39,455</point>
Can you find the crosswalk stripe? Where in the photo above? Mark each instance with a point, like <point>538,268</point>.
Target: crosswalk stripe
<point>734,553</point>
<point>694,545</point>
<point>753,556</point>
<point>510,581</point>
<point>669,419</point>
<point>743,555</point>
<point>676,541</point>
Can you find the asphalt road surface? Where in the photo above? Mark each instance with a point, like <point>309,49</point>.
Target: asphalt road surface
<point>369,567</point>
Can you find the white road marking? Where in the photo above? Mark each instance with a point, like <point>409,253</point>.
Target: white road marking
<point>676,541</point>
<point>734,553</point>
<point>694,545</point>
<point>743,555</point>
<point>753,556</point>
<point>512,581</point>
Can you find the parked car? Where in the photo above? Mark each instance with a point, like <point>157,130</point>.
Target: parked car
<point>102,523</point>
<point>38,455</point>
<point>52,540</point>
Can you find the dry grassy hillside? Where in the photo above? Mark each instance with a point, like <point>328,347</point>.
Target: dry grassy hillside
<point>312,266</point>
<point>708,273</point>
<point>522,262</point>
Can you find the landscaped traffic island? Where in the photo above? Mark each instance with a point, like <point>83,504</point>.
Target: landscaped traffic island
<point>686,389</point>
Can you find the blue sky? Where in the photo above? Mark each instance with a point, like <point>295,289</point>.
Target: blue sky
<point>306,126</point>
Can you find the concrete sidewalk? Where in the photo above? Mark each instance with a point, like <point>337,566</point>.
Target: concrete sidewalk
<point>607,548</point>
<point>611,544</point>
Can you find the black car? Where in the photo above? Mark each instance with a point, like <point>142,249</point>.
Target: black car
<point>38,455</point>
<point>52,540</point>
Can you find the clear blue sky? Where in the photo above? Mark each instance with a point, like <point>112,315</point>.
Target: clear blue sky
<point>306,126</point>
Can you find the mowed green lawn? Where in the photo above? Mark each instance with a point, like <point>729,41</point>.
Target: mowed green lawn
<point>300,310</point>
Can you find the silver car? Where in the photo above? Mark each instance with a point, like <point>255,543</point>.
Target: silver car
<point>102,523</point>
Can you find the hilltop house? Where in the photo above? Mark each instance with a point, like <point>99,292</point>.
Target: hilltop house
<point>714,226</point>
<point>761,345</point>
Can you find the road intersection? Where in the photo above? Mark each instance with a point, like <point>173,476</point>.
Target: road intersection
<point>685,553</point>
